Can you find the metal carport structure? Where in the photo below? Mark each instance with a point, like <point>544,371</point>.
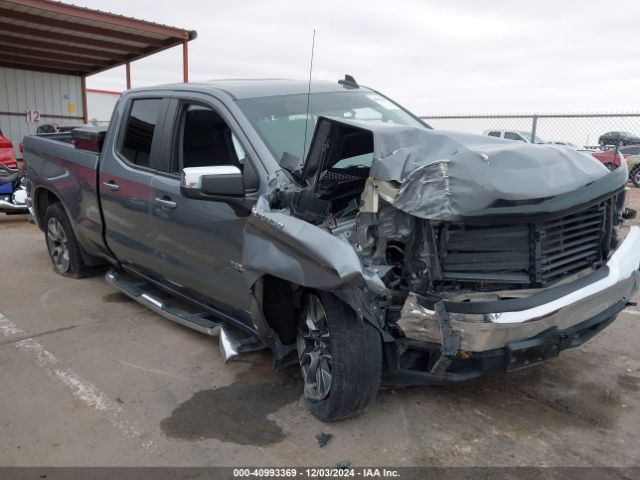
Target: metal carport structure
<point>65,41</point>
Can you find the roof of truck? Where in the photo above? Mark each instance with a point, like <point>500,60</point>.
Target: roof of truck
<point>262,87</point>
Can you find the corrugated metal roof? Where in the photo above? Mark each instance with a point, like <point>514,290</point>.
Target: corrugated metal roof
<point>62,38</point>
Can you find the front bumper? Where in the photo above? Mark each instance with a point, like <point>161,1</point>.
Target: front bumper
<point>410,362</point>
<point>514,333</point>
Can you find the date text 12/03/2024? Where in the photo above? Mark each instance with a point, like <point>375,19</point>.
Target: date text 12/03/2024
<point>315,473</point>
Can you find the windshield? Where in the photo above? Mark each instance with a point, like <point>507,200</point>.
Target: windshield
<point>527,135</point>
<point>281,120</point>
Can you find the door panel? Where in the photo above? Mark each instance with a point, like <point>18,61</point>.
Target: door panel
<point>125,184</point>
<point>198,243</point>
<point>125,195</point>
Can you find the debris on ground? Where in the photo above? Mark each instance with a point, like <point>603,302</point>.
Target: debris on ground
<point>343,464</point>
<point>323,438</point>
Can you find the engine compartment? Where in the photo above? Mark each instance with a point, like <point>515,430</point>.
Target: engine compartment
<point>408,210</point>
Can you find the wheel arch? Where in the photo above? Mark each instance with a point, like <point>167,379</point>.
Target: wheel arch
<point>42,198</point>
<point>280,304</point>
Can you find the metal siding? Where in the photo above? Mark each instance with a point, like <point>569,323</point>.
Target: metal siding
<point>22,90</point>
<point>100,106</point>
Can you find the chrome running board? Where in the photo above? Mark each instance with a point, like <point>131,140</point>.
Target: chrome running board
<point>139,291</point>
<point>143,293</point>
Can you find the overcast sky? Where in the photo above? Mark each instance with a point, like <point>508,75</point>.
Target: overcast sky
<point>432,57</point>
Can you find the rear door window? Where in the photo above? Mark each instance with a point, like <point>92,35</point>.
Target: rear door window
<point>138,134</point>
<point>494,134</point>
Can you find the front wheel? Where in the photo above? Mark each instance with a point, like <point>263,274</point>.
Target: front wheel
<point>340,358</point>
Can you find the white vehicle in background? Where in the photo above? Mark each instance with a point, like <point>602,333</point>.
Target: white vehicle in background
<point>518,135</point>
<point>573,146</point>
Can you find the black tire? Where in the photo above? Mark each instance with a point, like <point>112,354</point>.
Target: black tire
<point>634,175</point>
<point>355,352</point>
<point>62,245</point>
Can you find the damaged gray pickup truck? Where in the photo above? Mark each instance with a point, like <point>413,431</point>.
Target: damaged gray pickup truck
<point>373,251</point>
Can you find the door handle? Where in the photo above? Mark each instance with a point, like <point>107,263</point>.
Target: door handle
<point>111,185</point>
<point>166,202</point>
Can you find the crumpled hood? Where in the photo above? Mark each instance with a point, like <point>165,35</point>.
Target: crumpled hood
<point>449,175</point>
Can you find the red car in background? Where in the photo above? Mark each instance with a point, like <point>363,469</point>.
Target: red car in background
<point>7,156</point>
<point>611,160</point>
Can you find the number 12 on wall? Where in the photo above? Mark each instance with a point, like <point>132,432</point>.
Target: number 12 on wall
<point>33,116</point>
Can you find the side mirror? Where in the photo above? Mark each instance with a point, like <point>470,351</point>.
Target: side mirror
<point>207,183</point>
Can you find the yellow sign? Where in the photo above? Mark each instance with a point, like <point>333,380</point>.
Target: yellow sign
<point>72,107</point>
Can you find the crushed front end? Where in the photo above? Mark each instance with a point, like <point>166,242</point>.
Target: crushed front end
<point>470,254</point>
<point>502,305</point>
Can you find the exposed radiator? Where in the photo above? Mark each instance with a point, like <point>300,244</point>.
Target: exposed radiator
<point>531,254</point>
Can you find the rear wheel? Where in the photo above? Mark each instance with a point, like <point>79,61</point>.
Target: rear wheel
<point>340,358</point>
<point>62,244</point>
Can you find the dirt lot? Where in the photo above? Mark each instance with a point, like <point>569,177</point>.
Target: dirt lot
<point>91,378</point>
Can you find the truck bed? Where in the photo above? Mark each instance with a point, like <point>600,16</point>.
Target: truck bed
<point>53,163</point>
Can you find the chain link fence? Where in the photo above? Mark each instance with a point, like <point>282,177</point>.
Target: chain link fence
<point>580,130</point>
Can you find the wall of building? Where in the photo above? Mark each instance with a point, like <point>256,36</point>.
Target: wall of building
<point>100,105</point>
<point>29,99</point>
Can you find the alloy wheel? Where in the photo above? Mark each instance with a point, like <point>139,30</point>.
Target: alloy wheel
<point>58,245</point>
<point>314,350</point>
